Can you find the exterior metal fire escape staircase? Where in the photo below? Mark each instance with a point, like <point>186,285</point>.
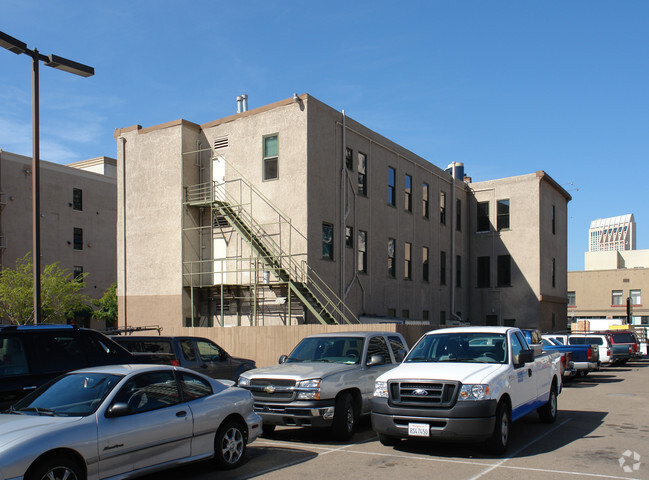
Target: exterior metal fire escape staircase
<point>302,280</point>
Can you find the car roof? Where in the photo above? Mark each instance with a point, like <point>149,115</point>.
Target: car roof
<point>350,334</point>
<point>472,329</point>
<point>127,369</point>
<point>156,337</point>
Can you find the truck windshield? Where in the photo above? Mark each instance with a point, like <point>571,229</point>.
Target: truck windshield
<point>347,350</point>
<point>481,347</point>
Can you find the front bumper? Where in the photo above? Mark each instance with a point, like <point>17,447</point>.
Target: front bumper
<point>300,414</point>
<point>471,420</point>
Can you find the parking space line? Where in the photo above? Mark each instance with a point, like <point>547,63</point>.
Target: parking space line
<point>527,445</point>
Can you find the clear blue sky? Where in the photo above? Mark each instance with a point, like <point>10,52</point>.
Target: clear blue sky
<point>508,88</point>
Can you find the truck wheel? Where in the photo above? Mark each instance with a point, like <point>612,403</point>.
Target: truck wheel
<point>548,412</point>
<point>499,440</point>
<point>344,417</point>
<point>388,441</point>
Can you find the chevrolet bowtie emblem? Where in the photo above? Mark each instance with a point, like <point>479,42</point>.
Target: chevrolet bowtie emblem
<point>269,389</point>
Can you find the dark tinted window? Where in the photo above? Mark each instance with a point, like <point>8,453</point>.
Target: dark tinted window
<point>58,352</point>
<point>586,341</point>
<point>623,338</point>
<point>378,346</point>
<point>194,387</point>
<point>13,360</point>
<point>149,391</point>
<point>398,348</point>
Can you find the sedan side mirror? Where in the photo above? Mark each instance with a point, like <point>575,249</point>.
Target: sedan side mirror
<point>283,359</point>
<point>376,360</point>
<point>118,410</point>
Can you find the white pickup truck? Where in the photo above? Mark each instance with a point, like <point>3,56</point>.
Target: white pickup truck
<point>466,384</point>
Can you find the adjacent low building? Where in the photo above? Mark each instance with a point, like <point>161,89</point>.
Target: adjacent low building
<point>295,213</point>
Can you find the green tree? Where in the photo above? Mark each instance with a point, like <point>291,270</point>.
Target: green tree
<point>60,293</point>
<point>107,306</point>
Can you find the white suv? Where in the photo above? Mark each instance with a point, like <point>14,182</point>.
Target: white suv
<point>602,341</point>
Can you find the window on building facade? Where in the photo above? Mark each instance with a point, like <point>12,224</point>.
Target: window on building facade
<point>572,299</point>
<point>408,193</point>
<point>484,272</point>
<point>391,258</point>
<point>458,271</point>
<point>392,312</point>
<point>442,268</point>
<point>554,272</point>
<point>616,297</point>
<point>483,216</point>
<point>442,208</point>
<point>458,215</point>
<point>362,251</point>
<point>77,235</point>
<point>636,297</point>
<point>362,174</point>
<point>78,273</point>
<point>554,219</point>
<point>77,199</point>
<point>407,256</point>
<point>405,313</point>
<point>327,241</point>
<point>502,220</point>
<point>424,200</point>
<point>271,157</point>
<point>349,237</point>
<point>425,315</point>
<point>504,271</point>
<point>424,264</point>
<point>442,317</point>
<point>349,158</point>
<point>392,193</point>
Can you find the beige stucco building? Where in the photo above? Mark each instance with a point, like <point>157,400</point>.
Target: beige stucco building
<point>78,214</point>
<point>608,279</point>
<point>294,212</point>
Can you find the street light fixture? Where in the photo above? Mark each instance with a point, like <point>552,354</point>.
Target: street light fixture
<point>16,46</point>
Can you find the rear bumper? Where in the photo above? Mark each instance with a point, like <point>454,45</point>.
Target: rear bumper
<point>586,366</point>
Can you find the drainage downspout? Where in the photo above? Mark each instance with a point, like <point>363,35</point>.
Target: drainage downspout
<point>343,205</point>
<point>123,141</point>
<point>453,256</point>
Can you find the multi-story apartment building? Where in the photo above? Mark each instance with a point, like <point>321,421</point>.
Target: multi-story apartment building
<point>294,212</point>
<point>78,215</point>
<point>612,234</point>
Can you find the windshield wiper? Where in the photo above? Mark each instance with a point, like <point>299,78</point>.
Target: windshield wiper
<point>322,360</point>
<point>420,359</point>
<point>463,360</point>
<point>39,411</point>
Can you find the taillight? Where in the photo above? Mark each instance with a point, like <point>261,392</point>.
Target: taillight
<point>589,354</point>
<point>631,349</point>
<point>608,352</point>
<point>175,363</point>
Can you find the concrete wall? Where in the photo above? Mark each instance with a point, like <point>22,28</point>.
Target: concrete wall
<point>58,218</point>
<point>612,260</point>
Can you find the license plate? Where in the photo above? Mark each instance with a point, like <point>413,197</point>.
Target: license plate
<point>419,429</point>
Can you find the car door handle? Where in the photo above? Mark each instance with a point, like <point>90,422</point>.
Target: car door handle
<point>529,372</point>
<point>182,413</point>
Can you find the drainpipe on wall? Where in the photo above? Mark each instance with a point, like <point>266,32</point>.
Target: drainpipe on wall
<point>453,256</point>
<point>343,202</point>
<point>123,141</point>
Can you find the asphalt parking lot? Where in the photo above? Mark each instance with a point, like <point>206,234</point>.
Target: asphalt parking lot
<point>602,432</point>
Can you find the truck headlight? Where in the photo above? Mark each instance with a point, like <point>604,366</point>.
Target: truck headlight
<point>308,389</point>
<point>244,382</point>
<point>474,392</point>
<point>381,389</point>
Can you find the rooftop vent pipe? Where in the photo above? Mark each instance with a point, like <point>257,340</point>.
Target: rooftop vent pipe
<point>242,103</point>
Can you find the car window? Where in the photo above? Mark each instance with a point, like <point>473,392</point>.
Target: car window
<point>13,360</point>
<point>188,350</point>
<point>517,347</point>
<point>58,352</point>
<point>209,351</point>
<point>378,346</point>
<point>521,339</point>
<point>194,387</point>
<point>149,391</point>
<point>398,348</point>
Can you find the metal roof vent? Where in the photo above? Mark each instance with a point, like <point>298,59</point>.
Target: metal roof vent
<point>221,142</point>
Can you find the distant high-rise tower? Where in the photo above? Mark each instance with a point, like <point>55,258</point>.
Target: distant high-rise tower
<point>615,233</point>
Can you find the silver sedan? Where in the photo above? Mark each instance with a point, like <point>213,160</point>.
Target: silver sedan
<point>124,421</point>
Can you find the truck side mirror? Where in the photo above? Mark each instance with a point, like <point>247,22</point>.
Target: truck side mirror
<point>376,360</point>
<point>525,356</point>
<point>283,359</point>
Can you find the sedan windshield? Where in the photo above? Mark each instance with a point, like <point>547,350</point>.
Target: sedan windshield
<point>72,395</point>
<point>345,350</point>
<point>460,347</point>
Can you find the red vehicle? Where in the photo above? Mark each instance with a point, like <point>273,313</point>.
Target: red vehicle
<point>627,338</point>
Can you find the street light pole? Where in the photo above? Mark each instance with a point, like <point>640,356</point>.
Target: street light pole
<point>16,46</point>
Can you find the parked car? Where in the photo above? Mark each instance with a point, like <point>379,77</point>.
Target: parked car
<point>196,353</point>
<point>31,355</point>
<point>607,355</point>
<point>585,358</point>
<point>326,381</point>
<point>627,338</point>
<point>124,421</point>
<point>466,384</point>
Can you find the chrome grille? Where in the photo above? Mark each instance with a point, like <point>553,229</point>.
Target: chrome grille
<point>424,394</point>
<point>272,389</point>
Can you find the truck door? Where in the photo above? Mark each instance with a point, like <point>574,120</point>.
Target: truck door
<point>521,379</point>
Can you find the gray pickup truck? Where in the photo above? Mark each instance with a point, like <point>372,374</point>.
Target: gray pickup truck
<point>326,381</point>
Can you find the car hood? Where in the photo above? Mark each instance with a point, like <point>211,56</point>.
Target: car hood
<point>299,371</point>
<point>15,427</point>
<point>465,373</point>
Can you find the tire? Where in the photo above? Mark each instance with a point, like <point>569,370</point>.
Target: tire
<point>389,441</point>
<point>344,417</point>
<point>499,441</point>
<point>548,412</point>
<point>56,468</point>
<point>267,430</point>
<point>229,445</point>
